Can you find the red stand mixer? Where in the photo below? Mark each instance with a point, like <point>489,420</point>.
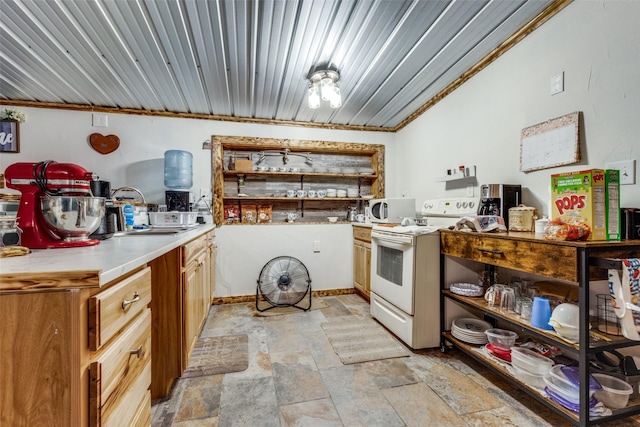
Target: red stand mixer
<point>57,208</point>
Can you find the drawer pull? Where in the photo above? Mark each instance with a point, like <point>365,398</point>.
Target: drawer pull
<point>491,251</point>
<point>137,352</point>
<point>125,303</point>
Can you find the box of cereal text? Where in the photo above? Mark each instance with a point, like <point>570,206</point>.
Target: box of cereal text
<point>580,198</point>
<point>612,185</point>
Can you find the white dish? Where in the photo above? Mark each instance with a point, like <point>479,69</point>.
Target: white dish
<point>332,218</point>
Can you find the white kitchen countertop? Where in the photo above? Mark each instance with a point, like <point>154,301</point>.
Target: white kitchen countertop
<point>110,259</point>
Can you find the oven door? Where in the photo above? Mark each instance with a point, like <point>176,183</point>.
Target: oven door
<point>392,268</point>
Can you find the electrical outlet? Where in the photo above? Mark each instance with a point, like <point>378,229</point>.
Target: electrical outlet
<point>205,193</point>
<point>627,170</point>
<point>99,120</point>
<point>316,246</point>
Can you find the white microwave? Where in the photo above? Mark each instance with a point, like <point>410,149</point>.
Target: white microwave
<point>391,210</point>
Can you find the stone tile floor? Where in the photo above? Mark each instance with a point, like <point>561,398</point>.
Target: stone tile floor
<point>295,379</point>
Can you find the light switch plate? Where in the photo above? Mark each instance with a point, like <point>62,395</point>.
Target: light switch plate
<point>99,120</point>
<point>557,83</point>
<point>627,170</point>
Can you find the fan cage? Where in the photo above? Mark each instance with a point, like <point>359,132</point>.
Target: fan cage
<point>284,281</point>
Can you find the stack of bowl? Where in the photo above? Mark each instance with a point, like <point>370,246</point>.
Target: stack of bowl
<point>530,367</point>
<point>563,387</point>
<point>331,192</point>
<point>500,343</point>
<point>352,192</point>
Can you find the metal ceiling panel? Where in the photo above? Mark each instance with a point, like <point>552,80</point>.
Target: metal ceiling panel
<point>249,60</point>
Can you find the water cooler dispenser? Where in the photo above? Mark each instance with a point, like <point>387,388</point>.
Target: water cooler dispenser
<point>178,177</point>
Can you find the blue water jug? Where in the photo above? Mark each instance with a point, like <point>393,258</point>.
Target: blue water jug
<point>178,169</point>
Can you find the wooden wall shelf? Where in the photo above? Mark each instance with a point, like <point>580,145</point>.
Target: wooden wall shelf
<point>267,188</point>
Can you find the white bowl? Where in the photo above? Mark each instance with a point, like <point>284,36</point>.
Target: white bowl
<point>566,315</point>
<point>332,218</point>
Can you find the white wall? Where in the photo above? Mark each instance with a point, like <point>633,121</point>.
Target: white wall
<point>597,45</point>
<point>63,136</point>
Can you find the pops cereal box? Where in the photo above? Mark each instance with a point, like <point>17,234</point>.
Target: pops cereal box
<point>580,198</point>
<point>612,185</point>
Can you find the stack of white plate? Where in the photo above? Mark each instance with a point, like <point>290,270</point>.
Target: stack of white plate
<point>331,192</point>
<point>341,193</point>
<point>470,330</point>
<point>352,192</point>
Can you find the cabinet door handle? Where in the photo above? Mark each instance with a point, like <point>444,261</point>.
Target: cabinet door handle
<point>491,251</point>
<point>126,303</point>
<point>137,352</point>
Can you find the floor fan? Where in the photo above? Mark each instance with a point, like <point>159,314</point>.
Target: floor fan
<point>284,282</point>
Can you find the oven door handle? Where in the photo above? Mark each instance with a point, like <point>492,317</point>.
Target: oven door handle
<point>387,240</point>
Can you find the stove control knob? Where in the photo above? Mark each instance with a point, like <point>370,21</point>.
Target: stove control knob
<point>471,205</point>
<point>458,205</point>
<point>464,205</point>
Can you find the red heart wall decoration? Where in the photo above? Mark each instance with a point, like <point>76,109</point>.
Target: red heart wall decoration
<point>104,144</point>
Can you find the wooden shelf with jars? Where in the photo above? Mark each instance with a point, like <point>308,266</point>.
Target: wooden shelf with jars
<point>267,180</point>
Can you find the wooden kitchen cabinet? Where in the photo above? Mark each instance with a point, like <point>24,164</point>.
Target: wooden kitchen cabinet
<point>362,259</point>
<point>57,374</point>
<point>578,262</point>
<point>317,165</point>
<point>182,294</point>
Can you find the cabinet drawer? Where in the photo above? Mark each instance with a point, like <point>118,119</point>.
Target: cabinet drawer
<point>362,233</point>
<point>120,375</point>
<point>193,248</point>
<point>111,309</point>
<point>544,258</point>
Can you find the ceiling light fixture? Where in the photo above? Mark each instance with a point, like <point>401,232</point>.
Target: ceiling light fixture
<point>323,85</point>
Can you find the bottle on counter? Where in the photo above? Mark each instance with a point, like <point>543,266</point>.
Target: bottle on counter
<point>129,214</point>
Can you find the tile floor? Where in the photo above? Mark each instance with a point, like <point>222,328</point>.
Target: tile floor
<point>295,379</point>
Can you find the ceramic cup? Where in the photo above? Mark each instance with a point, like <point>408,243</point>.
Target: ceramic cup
<point>301,193</point>
<point>291,193</point>
<point>292,216</point>
<point>492,295</point>
<point>360,217</point>
<point>541,313</point>
<point>322,193</point>
<point>311,193</point>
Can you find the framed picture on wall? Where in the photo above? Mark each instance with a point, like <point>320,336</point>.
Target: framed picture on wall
<point>9,136</point>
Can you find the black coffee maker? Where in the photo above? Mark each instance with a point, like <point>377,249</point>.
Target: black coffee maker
<point>108,225</point>
<point>497,199</point>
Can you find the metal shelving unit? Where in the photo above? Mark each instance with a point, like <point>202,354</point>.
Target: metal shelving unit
<point>592,259</point>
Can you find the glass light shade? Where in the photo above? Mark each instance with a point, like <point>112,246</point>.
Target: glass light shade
<point>336,99</point>
<point>326,88</point>
<point>314,96</point>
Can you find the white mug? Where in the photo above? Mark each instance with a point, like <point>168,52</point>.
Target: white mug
<point>311,193</point>
<point>321,193</point>
<point>291,193</point>
<point>360,217</point>
<point>291,216</point>
<point>301,193</point>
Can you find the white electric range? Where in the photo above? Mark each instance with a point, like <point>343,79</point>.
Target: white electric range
<point>405,272</point>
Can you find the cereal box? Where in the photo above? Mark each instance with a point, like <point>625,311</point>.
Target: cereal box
<point>580,198</point>
<point>249,213</point>
<point>231,214</point>
<point>264,214</point>
<point>612,184</point>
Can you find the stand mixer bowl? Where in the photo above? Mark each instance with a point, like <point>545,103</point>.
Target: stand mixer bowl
<point>72,218</point>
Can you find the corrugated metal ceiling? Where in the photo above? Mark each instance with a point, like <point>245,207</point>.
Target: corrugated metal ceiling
<point>250,59</point>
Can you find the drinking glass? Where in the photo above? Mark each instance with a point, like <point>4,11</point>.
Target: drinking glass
<point>492,296</point>
<point>507,300</point>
